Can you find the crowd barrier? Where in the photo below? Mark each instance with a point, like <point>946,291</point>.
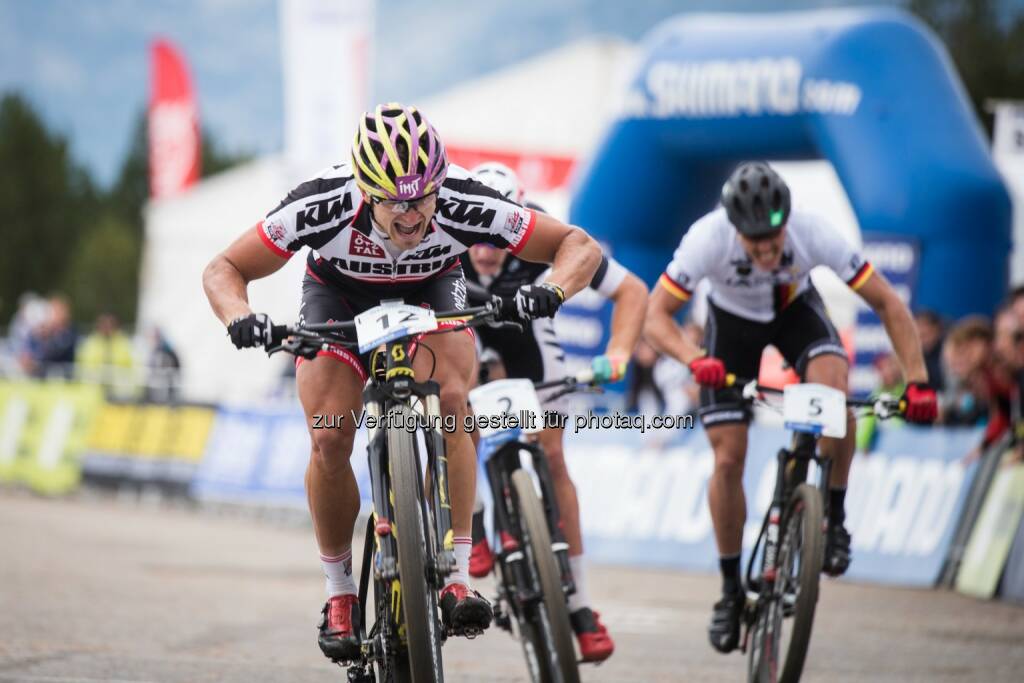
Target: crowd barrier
<point>919,515</point>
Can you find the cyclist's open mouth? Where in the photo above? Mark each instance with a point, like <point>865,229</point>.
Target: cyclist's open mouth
<point>407,231</point>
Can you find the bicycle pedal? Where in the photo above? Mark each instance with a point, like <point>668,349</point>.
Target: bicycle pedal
<point>359,675</point>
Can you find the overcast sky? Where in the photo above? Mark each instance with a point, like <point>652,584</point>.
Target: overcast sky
<point>83,63</point>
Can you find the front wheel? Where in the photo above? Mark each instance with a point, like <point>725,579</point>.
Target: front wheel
<point>549,633</point>
<point>781,633</point>
<point>418,600</point>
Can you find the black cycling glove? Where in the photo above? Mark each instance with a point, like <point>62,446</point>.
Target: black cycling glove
<point>539,301</point>
<point>252,330</point>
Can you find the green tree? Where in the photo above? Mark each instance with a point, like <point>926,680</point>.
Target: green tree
<point>123,231</point>
<point>46,204</point>
<point>988,50</point>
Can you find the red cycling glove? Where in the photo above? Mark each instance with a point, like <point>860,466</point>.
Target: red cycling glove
<point>708,371</point>
<point>922,405</point>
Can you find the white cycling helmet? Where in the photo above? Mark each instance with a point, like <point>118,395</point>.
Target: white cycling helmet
<point>499,178</point>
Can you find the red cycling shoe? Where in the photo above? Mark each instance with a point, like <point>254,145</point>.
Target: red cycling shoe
<point>481,559</point>
<point>339,628</point>
<point>595,643</point>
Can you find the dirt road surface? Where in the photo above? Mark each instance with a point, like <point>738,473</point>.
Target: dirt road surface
<point>100,590</point>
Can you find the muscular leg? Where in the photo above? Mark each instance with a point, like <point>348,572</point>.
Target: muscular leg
<point>330,387</point>
<point>728,514</point>
<point>454,371</point>
<point>725,490</point>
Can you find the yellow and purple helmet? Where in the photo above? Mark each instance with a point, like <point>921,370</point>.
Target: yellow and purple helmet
<point>397,155</point>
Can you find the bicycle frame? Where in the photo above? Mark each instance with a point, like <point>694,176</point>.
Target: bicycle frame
<point>792,469</point>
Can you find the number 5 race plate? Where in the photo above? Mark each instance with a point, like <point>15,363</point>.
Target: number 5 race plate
<point>815,408</point>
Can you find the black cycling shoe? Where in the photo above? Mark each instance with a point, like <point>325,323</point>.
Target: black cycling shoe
<point>724,631</point>
<point>464,611</point>
<point>339,628</point>
<point>837,550</point>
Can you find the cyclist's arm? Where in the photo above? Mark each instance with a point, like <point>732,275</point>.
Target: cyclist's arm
<point>899,325</point>
<point>573,254</point>
<point>661,330</point>
<point>225,278</point>
<point>629,303</point>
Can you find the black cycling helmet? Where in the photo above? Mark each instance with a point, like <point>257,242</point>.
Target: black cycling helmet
<point>756,199</point>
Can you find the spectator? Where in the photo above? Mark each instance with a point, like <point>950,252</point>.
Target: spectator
<point>1004,375</point>
<point>890,381</point>
<point>930,330</point>
<point>51,347</point>
<point>105,357</point>
<point>966,353</point>
<point>163,381</point>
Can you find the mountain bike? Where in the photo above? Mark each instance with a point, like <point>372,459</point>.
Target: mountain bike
<point>534,578</point>
<point>784,568</point>
<point>409,542</point>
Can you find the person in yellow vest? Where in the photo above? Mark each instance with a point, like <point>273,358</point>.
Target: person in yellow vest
<point>105,357</point>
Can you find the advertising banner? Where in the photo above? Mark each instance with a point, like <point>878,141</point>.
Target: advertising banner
<point>643,499</point>
<point>146,443</point>
<point>990,541</point>
<point>42,432</point>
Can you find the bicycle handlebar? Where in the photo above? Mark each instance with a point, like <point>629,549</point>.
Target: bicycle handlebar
<point>302,339</point>
<point>883,406</point>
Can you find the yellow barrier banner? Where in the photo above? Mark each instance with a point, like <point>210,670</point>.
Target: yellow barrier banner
<point>43,427</point>
<point>151,431</point>
<point>992,536</point>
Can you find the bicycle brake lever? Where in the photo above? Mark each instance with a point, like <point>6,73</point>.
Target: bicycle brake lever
<point>505,324</point>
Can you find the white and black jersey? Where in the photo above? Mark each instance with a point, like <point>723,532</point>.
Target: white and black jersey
<point>534,353</point>
<point>328,215</point>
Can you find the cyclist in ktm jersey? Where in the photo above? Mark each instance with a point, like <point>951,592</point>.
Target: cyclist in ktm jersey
<point>535,354</point>
<point>757,253</point>
<point>390,224</point>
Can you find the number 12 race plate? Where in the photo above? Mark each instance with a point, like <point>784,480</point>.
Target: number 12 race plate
<point>390,321</point>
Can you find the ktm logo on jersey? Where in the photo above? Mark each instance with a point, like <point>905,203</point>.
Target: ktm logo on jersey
<point>323,210</point>
<point>363,246</point>
<point>431,252</point>
<point>466,211</point>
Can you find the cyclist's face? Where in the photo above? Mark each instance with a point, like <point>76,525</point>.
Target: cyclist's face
<point>486,260</point>
<point>406,228</point>
<point>765,252</point>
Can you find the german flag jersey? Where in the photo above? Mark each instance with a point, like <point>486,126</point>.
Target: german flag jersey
<point>711,249</point>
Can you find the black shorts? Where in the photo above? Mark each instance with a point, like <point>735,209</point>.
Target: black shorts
<point>322,302</point>
<point>802,331</point>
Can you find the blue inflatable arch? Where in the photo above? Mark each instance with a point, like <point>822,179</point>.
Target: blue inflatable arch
<point>873,91</point>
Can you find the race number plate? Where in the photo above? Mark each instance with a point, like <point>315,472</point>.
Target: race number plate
<point>390,321</point>
<point>815,408</point>
<point>507,404</point>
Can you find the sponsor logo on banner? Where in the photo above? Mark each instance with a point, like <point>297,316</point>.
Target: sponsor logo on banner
<point>738,87</point>
<point>364,246</point>
<point>644,501</point>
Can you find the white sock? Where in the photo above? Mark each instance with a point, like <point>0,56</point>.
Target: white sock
<point>463,545</point>
<point>580,598</point>
<point>338,570</point>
